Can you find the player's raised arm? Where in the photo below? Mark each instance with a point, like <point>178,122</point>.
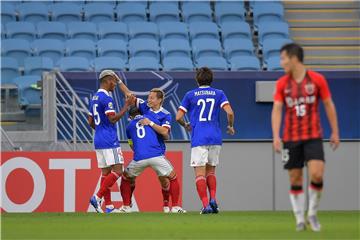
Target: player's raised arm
<point>113,118</point>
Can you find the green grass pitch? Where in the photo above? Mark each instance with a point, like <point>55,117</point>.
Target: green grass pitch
<point>226,225</point>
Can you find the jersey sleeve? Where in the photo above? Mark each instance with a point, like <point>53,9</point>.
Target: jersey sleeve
<point>166,122</point>
<point>223,100</point>
<point>109,106</point>
<point>142,106</point>
<point>185,104</point>
<point>323,88</point>
<point>279,92</point>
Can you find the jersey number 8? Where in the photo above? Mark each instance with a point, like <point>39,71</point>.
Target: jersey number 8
<point>140,130</point>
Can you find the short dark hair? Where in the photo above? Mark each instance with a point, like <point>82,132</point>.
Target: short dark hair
<point>204,76</point>
<point>104,79</point>
<point>294,49</point>
<point>133,111</point>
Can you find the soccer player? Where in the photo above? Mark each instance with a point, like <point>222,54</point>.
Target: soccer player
<point>143,134</point>
<point>102,118</point>
<point>301,90</point>
<point>203,104</point>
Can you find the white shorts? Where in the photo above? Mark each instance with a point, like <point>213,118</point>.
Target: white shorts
<point>202,155</point>
<point>160,164</point>
<point>108,157</point>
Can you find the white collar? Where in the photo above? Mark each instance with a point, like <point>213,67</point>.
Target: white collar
<point>204,86</point>
<point>160,109</point>
<point>104,91</point>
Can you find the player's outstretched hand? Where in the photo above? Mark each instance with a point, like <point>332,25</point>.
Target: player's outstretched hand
<point>230,130</point>
<point>130,98</point>
<point>277,145</point>
<point>144,121</point>
<point>334,141</point>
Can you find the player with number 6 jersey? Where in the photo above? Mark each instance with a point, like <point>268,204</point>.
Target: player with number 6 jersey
<point>203,105</point>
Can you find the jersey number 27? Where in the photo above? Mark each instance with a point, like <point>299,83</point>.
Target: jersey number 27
<point>203,104</point>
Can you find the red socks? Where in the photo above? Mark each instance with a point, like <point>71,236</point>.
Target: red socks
<point>107,195</point>
<point>211,184</point>
<point>126,191</point>
<point>201,189</point>
<point>107,183</point>
<point>166,195</point>
<point>174,191</point>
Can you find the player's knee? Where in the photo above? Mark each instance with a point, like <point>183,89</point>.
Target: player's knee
<point>316,177</point>
<point>172,175</point>
<point>296,180</point>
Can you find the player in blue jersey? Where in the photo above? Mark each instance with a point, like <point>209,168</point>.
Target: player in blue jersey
<point>102,118</point>
<point>144,134</point>
<point>203,105</point>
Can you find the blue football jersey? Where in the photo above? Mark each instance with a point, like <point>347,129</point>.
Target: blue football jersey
<point>145,140</point>
<point>102,104</point>
<point>203,105</point>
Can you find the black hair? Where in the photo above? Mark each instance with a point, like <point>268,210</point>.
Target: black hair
<point>204,76</point>
<point>294,49</point>
<point>133,111</point>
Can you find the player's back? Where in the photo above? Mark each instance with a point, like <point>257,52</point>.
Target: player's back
<point>145,140</point>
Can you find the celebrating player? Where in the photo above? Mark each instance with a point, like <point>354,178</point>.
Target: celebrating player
<point>301,90</point>
<point>203,105</point>
<point>143,134</point>
<point>102,118</point>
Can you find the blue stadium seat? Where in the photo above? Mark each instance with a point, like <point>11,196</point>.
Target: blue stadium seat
<point>245,63</point>
<point>9,69</point>
<point>33,12</point>
<point>143,64</point>
<point>109,3</point>
<point>268,12</point>
<point>74,64</point>
<point>273,63</point>
<point>268,30</point>
<point>66,12</point>
<point>52,30</point>
<point>113,30</point>
<point>238,47</point>
<point>164,12</point>
<point>99,12</point>
<point>21,30</point>
<point>37,65</point>
<point>3,32</point>
<point>143,3</point>
<point>144,48</point>
<point>143,30</point>
<point>252,3</point>
<point>203,30</point>
<point>16,48</point>
<point>78,2</point>
<point>80,48</point>
<point>112,48</point>
<point>113,63</point>
<point>51,48</point>
<point>235,30</point>
<point>214,63</point>
<point>206,48</point>
<point>229,11</point>
<point>28,96</point>
<point>131,12</point>
<point>83,30</point>
<point>173,30</point>
<point>175,48</point>
<point>8,12</point>
<point>271,47</point>
<point>196,11</point>
<point>178,64</point>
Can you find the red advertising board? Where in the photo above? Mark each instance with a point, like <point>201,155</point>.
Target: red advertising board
<point>65,181</point>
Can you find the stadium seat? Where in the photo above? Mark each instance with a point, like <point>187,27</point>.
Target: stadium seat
<point>271,47</point>
<point>16,48</point>
<point>107,2</point>
<point>9,69</point>
<point>28,96</point>
<point>21,30</point>
<point>74,64</point>
<point>214,63</point>
<point>112,48</point>
<point>196,11</point>
<point>51,48</point>
<point>203,30</point>
<point>206,48</point>
<point>268,30</point>
<point>83,30</point>
<point>175,47</point>
<point>37,65</point>
<point>52,30</point>
<point>144,48</point>
<point>143,30</point>
<point>78,2</point>
<point>33,12</point>
<point>8,12</point>
<point>164,12</point>
<point>235,30</point>
<point>99,12</point>
<point>113,30</point>
<point>173,30</point>
<point>273,63</point>
<point>80,48</point>
<point>229,11</point>
<point>131,12</point>
<point>178,64</point>
<point>143,64</point>
<point>143,3</point>
<point>66,12</point>
<point>3,32</point>
<point>245,63</point>
<point>268,12</point>
<point>238,47</point>
<point>113,63</point>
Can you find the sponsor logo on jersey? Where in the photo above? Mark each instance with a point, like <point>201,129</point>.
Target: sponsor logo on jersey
<point>310,88</point>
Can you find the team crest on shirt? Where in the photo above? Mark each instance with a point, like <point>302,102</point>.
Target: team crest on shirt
<point>110,105</point>
<point>310,88</point>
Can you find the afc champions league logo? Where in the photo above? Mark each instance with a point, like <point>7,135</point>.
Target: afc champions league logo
<point>310,88</point>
